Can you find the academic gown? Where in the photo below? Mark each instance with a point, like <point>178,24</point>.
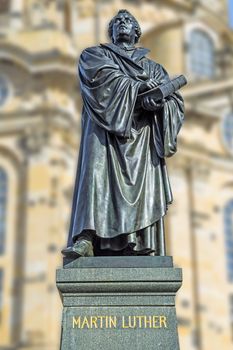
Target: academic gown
<point>122,188</point>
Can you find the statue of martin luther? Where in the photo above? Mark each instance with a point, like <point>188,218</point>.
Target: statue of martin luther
<point>122,189</point>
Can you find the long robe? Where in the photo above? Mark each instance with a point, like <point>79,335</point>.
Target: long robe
<point>122,187</point>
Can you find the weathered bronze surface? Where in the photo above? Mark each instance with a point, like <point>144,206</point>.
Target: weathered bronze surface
<point>122,188</point>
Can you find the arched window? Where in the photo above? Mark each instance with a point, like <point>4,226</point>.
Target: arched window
<point>201,54</point>
<point>228,230</point>
<point>3,202</point>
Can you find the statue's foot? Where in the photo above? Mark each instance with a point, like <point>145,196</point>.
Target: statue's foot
<point>80,248</point>
<point>129,252</point>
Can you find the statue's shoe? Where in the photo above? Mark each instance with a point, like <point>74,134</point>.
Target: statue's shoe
<point>80,248</point>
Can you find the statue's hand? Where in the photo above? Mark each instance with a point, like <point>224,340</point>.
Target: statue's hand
<point>149,104</point>
<point>147,85</point>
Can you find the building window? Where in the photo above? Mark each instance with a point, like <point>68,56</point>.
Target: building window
<point>3,199</point>
<point>201,54</point>
<point>4,90</point>
<point>228,230</point>
<point>227,129</point>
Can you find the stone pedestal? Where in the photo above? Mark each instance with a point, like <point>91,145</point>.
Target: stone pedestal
<point>119,303</point>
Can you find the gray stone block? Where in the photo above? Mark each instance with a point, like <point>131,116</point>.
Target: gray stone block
<point>119,303</point>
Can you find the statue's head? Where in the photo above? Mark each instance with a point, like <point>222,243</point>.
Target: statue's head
<point>123,24</point>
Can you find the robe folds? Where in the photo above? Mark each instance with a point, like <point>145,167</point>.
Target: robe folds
<point>122,187</point>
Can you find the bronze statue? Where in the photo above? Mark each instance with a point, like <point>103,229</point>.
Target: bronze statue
<point>122,189</point>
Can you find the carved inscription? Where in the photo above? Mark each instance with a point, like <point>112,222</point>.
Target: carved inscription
<point>123,322</point>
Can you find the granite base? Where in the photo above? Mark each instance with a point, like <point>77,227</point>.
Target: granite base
<point>119,303</point>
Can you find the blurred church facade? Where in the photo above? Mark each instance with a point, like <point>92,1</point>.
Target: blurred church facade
<point>40,108</point>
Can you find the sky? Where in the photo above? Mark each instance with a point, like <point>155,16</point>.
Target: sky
<point>231,12</point>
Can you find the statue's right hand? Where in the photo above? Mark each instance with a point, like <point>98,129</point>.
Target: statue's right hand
<point>149,104</point>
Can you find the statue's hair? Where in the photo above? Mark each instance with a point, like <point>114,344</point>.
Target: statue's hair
<point>137,26</point>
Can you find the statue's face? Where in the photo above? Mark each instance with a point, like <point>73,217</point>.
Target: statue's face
<point>123,28</point>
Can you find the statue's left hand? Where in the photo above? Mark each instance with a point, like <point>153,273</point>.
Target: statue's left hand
<point>149,104</point>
